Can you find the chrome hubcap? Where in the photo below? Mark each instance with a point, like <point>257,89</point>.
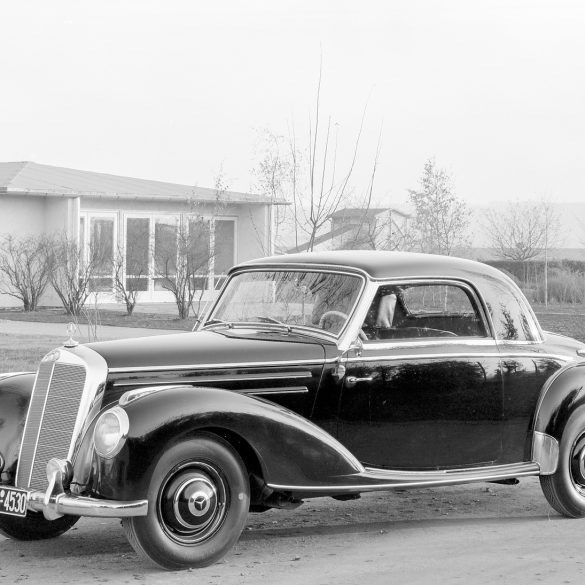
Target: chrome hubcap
<point>578,463</point>
<point>192,503</point>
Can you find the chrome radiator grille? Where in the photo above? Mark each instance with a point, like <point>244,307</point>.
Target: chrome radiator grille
<point>51,420</point>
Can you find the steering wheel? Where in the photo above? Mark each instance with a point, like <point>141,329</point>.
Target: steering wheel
<point>331,314</point>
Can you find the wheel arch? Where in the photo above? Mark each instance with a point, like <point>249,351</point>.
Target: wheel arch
<point>15,393</point>
<point>277,445</point>
<point>562,395</point>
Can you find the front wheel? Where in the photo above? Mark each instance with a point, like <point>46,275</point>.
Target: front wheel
<point>35,526</point>
<point>565,489</point>
<point>198,496</point>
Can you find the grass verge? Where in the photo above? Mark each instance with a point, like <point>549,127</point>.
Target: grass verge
<point>22,353</point>
<point>104,317</point>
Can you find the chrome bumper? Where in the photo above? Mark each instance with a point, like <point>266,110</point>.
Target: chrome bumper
<point>55,502</point>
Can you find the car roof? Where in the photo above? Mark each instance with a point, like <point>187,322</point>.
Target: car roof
<point>381,264</point>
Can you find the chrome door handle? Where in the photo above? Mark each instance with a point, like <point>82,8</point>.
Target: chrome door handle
<point>352,380</point>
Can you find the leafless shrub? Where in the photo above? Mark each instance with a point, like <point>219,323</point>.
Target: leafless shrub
<point>72,271</point>
<point>25,266</point>
<point>130,274</point>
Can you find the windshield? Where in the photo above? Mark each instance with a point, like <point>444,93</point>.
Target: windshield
<point>319,300</point>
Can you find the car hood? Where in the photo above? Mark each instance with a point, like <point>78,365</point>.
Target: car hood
<point>211,348</point>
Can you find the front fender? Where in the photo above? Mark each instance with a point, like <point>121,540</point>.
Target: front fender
<point>15,393</point>
<point>290,449</point>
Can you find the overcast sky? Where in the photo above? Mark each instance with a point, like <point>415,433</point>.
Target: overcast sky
<point>172,89</point>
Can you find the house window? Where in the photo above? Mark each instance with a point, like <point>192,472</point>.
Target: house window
<point>199,250</point>
<point>225,237</point>
<point>165,252</point>
<point>100,252</point>
<point>158,246</point>
<point>137,253</point>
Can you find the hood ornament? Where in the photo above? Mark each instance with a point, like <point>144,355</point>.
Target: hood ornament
<point>71,328</point>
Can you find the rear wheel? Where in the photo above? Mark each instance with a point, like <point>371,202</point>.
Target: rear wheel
<point>35,526</point>
<point>198,497</point>
<point>565,489</point>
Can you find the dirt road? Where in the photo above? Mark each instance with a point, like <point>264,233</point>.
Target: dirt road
<point>474,534</point>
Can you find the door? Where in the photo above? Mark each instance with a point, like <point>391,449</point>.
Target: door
<point>426,391</point>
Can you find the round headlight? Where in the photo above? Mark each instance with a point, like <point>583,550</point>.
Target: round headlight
<point>111,430</point>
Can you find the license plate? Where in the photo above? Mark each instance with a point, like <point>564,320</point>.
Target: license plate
<point>13,501</point>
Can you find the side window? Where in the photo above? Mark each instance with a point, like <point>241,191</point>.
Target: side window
<point>509,311</point>
<point>423,310</point>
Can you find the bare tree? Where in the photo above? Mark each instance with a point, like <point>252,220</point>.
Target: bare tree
<point>26,268</point>
<point>521,231</point>
<point>326,189</point>
<point>309,176</point>
<point>274,177</point>
<point>441,218</point>
<point>73,269</point>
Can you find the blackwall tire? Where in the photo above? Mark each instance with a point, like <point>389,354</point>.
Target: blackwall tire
<point>35,526</point>
<point>565,489</point>
<point>198,501</point>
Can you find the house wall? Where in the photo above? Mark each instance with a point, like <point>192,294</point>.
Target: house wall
<point>20,216</point>
<point>43,215</point>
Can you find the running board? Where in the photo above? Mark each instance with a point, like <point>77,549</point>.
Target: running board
<point>372,479</point>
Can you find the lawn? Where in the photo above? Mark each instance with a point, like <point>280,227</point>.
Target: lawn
<point>565,321</point>
<point>103,317</point>
<point>22,353</point>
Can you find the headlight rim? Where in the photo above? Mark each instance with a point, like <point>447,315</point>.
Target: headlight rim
<point>124,428</point>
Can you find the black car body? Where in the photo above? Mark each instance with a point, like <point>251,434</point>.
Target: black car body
<point>318,374</point>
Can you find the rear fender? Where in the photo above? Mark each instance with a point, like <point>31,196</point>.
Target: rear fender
<point>289,449</point>
<point>560,397</point>
<point>15,393</point>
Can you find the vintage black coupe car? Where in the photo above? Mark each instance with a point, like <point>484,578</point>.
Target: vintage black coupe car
<point>318,374</point>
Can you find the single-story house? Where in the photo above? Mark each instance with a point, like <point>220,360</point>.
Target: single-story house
<point>117,214</point>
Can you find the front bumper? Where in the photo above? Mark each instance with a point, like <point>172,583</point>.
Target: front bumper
<point>56,502</point>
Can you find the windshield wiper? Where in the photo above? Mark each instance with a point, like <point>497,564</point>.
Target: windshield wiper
<point>273,321</point>
<point>213,322</point>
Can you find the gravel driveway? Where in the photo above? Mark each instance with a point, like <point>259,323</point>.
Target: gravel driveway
<point>473,534</point>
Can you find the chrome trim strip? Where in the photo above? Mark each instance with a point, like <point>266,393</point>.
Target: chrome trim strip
<point>221,366</point>
<point>34,453</point>
<point>220,378</point>
<point>329,361</point>
<point>133,395</point>
<point>454,355</point>
<point>283,390</point>
<point>545,452</point>
<point>404,344</point>
<point>383,480</point>
<point>96,373</point>
<point>12,374</point>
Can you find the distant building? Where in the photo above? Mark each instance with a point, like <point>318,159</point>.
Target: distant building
<point>383,228</point>
<point>110,211</point>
